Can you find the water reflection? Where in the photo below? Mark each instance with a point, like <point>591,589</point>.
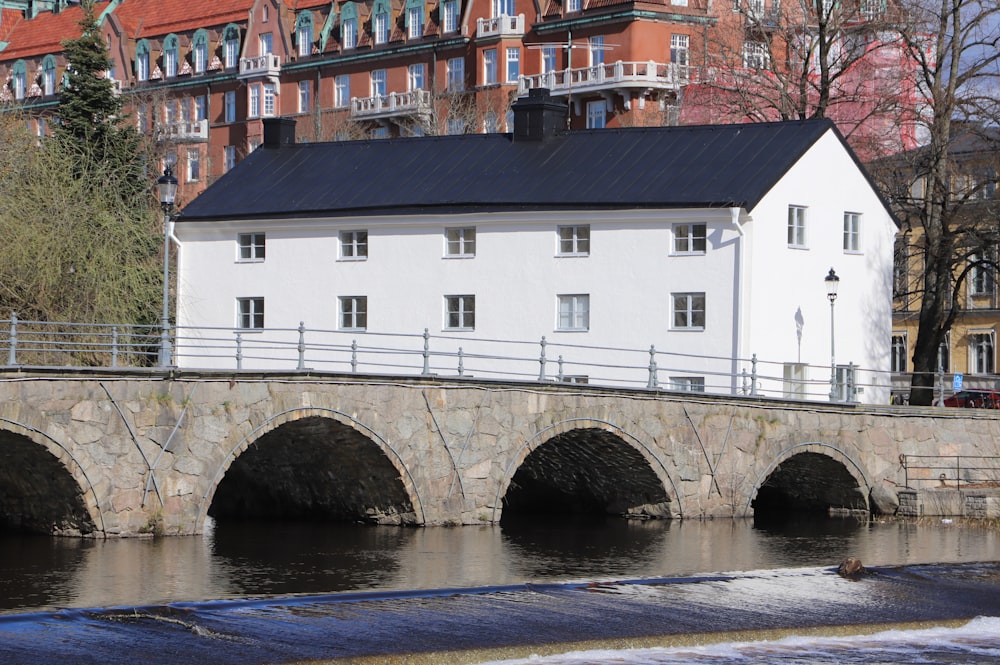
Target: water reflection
<point>240,560</point>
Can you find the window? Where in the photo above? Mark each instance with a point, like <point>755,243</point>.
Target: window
<point>349,33</point>
<point>170,57</point>
<point>170,111</point>
<point>229,158</point>
<point>691,384</point>
<point>491,124</point>
<point>794,383</point>
<point>142,61</point>
<point>380,132</point>
<point>269,92</point>
<point>193,164</point>
<point>354,313</point>
<point>354,245</point>
<point>574,240</point>
<point>20,82</point>
<point>456,74</point>
<point>229,103</point>
<point>548,59</point>
<point>304,96</point>
<point>689,238</point>
<point>304,34</point>
<point>378,83</point>
<point>595,50</point>
<point>342,91</point>
<point>981,352</point>
<point>250,313</point>
<point>513,64</point>
<point>449,14</point>
<point>49,76</point>
<point>897,358</point>
<point>944,354</point>
<point>415,22</point>
<point>596,114</point>
<point>679,49</point>
<point>489,66</point>
<point>900,267</point>
<point>232,50</point>
<point>755,55</point>
<point>460,243</point>
<point>251,246</point>
<point>574,312</point>
<point>981,278</point>
<point>844,383</point>
<point>253,107</point>
<point>852,232</point>
<point>796,226</point>
<point>200,108</point>
<point>199,52</point>
<point>689,311</point>
<point>416,76</point>
<point>264,44</point>
<point>502,8</point>
<point>573,5</point>
<point>380,26</point>
<point>461,312</point>
<point>455,126</point>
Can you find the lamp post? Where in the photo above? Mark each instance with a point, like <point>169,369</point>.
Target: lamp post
<point>832,282</point>
<point>166,185</point>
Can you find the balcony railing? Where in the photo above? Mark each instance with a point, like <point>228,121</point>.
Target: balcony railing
<point>183,131</point>
<point>262,65</point>
<point>611,76</point>
<point>500,26</point>
<point>414,102</point>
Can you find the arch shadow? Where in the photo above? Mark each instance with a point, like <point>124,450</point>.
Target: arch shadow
<point>583,465</point>
<point>313,463</point>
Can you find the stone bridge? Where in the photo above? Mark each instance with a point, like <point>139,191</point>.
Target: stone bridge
<point>143,452</point>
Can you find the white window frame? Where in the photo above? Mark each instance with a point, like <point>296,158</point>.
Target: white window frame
<point>142,67</point>
<point>304,38</point>
<point>449,13</point>
<point>852,232</point>
<point>232,53</point>
<point>982,281</point>
<point>353,313</point>
<point>595,50</point>
<point>456,74</point>
<point>305,96</point>
<point>797,227</point>
<point>490,66</point>
<point>349,33</point>
<point>513,64</point>
<point>342,91</point>
<point>229,158</point>
<point>755,55</point>
<point>250,313</point>
<point>680,49</point>
<point>265,42</point>
<point>573,240</point>
<point>193,165</point>
<point>229,106</point>
<point>253,101</point>
<point>49,82</point>
<point>416,76</point>
<point>688,384</point>
<point>354,245</point>
<point>200,107</point>
<point>573,312</point>
<point>688,311</point>
<point>597,114</point>
<point>170,62</point>
<point>380,28</point>
<point>415,22</point>
<point>377,83</point>
<point>270,94</point>
<point>574,5</point>
<point>982,351</point>
<point>250,247</point>
<point>460,312</point>
<point>548,59</point>
<point>898,352</point>
<point>690,238</point>
<point>460,242</point>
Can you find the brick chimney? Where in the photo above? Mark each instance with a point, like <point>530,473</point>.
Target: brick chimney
<point>538,117</point>
<point>279,132</point>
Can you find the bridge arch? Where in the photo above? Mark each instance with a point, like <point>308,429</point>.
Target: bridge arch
<point>310,482</point>
<point>44,488</point>
<point>631,478</point>
<point>811,476</point>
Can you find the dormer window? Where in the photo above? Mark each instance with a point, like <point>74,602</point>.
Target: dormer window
<point>142,61</point>
<point>170,56</point>
<point>304,34</point>
<point>232,46</point>
<point>380,21</point>
<point>20,79</point>
<point>49,75</point>
<point>349,38</point>
<point>199,52</point>
<point>449,16</point>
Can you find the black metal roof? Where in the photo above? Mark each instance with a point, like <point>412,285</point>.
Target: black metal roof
<point>648,167</point>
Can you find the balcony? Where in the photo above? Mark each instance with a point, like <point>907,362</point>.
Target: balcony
<point>187,131</point>
<point>612,77</point>
<point>393,105</point>
<point>500,26</point>
<point>263,65</point>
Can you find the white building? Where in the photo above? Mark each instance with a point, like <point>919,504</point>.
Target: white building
<point>709,243</point>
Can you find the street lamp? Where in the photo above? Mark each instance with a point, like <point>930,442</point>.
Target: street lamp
<point>166,184</point>
<point>832,282</point>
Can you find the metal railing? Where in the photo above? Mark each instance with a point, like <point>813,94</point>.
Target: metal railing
<point>950,471</point>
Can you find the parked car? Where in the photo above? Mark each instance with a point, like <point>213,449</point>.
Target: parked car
<point>974,399</point>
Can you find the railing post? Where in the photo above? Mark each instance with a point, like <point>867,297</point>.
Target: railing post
<point>753,375</point>
<point>541,361</point>
<point>562,376</point>
<point>354,356</point>
<point>958,472</point>
<point>114,346</point>
<point>302,346</point>
<point>461,364</point>
<point>12,349</point>
<point>239,350</point>
<point>427,352</point>
<point>653,381</point>
<point>744,386</point>
<point>852,386</point>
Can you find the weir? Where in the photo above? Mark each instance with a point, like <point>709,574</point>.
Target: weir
<point>137,452</point>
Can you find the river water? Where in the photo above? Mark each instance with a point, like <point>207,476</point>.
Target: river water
<point>543,592</point>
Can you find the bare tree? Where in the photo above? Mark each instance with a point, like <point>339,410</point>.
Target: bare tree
<point>945,191</point>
